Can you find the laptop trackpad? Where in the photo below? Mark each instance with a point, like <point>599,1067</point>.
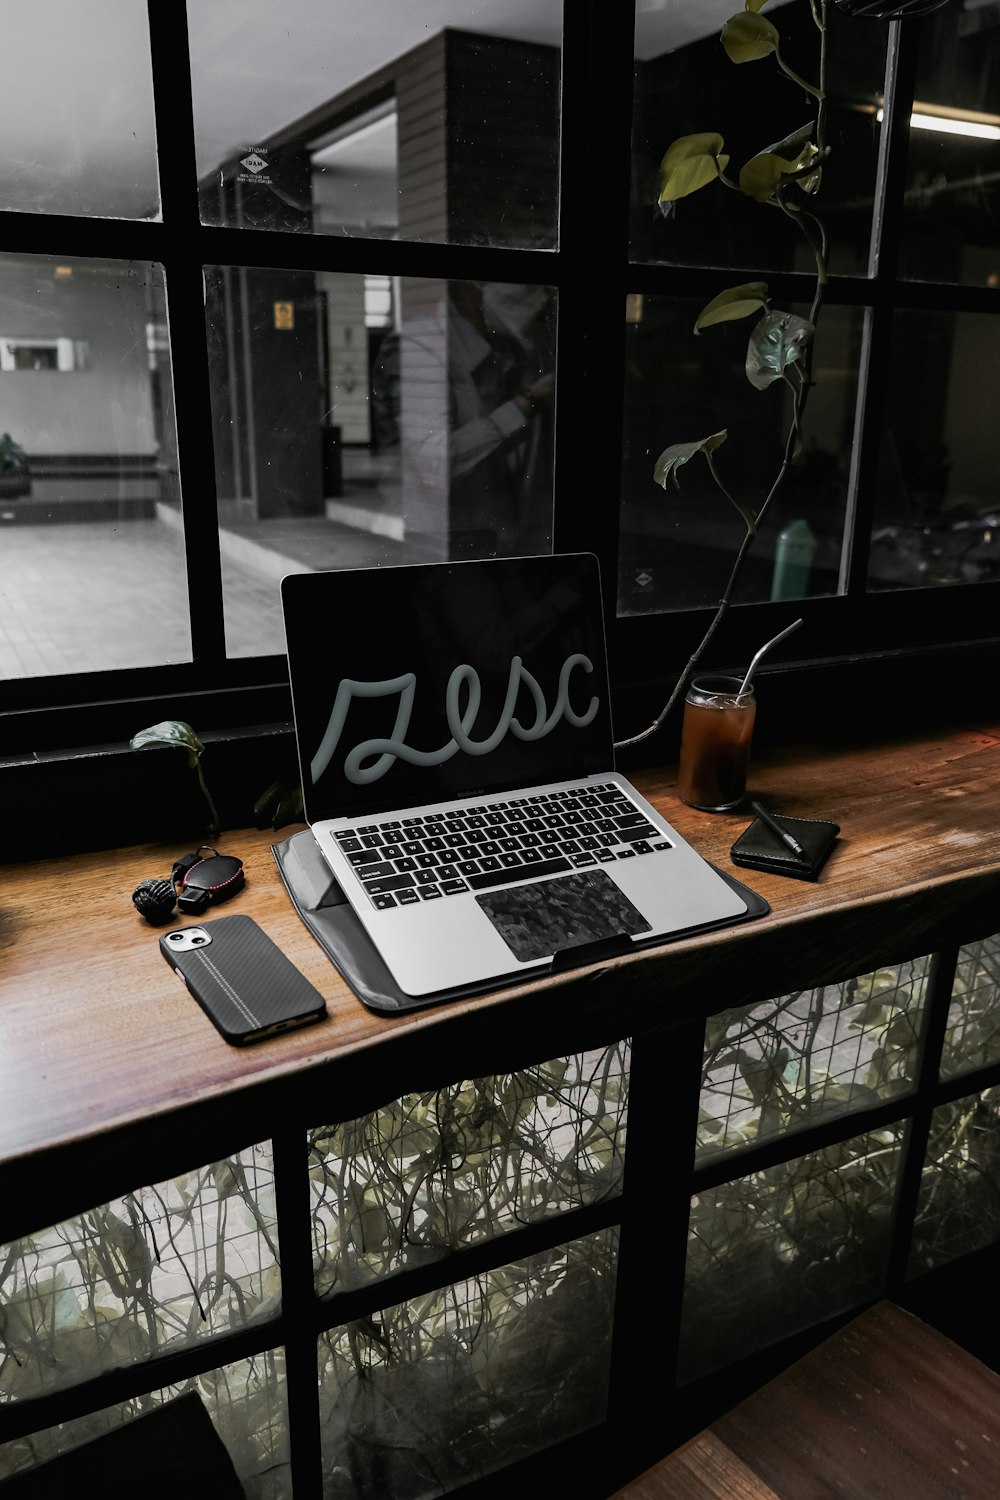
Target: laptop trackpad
<point>537,920</point>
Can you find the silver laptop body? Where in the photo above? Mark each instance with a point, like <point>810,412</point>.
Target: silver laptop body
<point>454,735</point>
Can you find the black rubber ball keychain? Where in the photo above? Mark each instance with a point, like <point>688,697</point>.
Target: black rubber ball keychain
<point>203,879</point>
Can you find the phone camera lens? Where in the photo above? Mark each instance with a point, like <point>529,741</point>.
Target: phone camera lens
<point>173,937</point>
<point>197,940</point>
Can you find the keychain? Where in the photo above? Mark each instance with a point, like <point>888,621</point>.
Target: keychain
<point>204,880</point>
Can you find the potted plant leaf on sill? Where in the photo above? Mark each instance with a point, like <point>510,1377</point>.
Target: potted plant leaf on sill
<point>15,475</point>
<point>786,175</point>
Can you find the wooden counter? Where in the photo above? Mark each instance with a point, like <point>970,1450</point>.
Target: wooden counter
<point>112,1080</point>
<point>97,1034</point>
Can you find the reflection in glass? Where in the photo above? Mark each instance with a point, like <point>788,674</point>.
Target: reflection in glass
<point>439,123</point>
<point>812,1055</point>
<point>431,1173</point>
<point>972,1039</point>
<point>362,422</point>
<point>786,1248</point>
<point>937,520</point>
<point>77,134</point>
<point>685,84</point>
<point>246,1401</point>
<point>958,1209</point>
<point>678,546</point>
<point>92,570</point>
<point>951,228</point>
<point>438,1391</point>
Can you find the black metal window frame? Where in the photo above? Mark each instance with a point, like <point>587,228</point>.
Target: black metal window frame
<point>856,641</point>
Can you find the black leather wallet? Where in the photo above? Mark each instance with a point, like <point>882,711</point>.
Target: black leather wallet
<point>758,848</point>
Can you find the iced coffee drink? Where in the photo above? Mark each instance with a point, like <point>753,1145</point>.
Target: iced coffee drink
<point>715,743</point>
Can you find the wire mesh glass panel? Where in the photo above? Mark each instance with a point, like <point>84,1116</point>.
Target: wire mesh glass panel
<point>154,1271</point>
<point>437,1391</point>
<point>958,1209</point>
<point>811,1055</point>
<point>786,1248</point>
<point>973,1036</point>
<point>246,1401</point>
<point>431,1173</point>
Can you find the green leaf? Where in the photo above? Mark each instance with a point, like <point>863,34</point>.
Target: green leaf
<point>169,732</point>
<point>754,5</point>
<point>691,163</point>
<point>735,302</point>
<point>747,37</point>
<point>777,341</point>
<point>761,176</point>
<point>671,458</point>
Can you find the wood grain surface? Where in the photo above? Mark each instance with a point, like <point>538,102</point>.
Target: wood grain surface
<point>97,1034</point>
<point>885,1409</point>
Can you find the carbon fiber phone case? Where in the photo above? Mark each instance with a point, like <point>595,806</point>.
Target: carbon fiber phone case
<point>242,981</point>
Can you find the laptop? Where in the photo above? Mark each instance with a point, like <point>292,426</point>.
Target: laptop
<point>454,733</point>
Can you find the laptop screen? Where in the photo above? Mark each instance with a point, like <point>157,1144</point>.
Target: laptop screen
<point>441,681</point>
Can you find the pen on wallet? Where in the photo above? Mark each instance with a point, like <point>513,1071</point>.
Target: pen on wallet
<point>789,841</point>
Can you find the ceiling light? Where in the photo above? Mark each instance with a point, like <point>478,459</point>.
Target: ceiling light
<point>950,125</point>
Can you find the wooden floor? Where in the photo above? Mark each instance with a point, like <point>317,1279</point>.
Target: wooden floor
<point>887,1409</point>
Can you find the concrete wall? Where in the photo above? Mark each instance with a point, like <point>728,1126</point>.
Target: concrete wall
<point>105,408</point>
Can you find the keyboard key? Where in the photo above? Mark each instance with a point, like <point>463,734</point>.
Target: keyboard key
<point>467,867</point>
<point>488,862</point>
<point>369,828</point>
<point>389,883</point>
<point>628,853</point>
<point>630,819</point>
<point>570,846</point>
<point>508,877</point>
<point>372,872</point>
<point>509,844</point>
<point>406,823</point>
<point>391,851</point>
<point>345,833</point>
<point>413,846</point>
<point>406,863</point>
<point>604,857</point>
<point>641,846</point>
<point>494,818</point>
<point>452,887</point>
<point>455,840</point>
<point>365,857</point>
<point>588,841</point>
<point>550,851</point>
<point>435,842</point>
<point>396,823</point>
<point>426,861</point>
<point>349,846</point>
<point>475,821</point>
<point>531,857</point>
<point>578,860</point>
<point>430,892</point>
<point>489,846</point>
<point>530,841</point>
<point>640,831</point>
<point>426,877</point>
<point>371,840</point>
<point>665,845</point>
<point>511,861</point>
<point>382,903</point>
<point>407,898</point>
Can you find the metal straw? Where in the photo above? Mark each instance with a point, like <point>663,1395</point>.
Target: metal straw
<point>763,652</point>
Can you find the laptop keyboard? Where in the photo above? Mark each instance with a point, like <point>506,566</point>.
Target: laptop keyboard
<point>400,862</point>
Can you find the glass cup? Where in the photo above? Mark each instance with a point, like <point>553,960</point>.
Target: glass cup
<point>715,743</point>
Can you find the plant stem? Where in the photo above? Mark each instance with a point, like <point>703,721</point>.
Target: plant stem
<point>800,396</point>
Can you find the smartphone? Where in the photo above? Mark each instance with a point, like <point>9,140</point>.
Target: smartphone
<point>242,981</point>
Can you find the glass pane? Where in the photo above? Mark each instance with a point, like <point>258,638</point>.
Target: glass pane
<point>435,1392</point>
<point>678,545</point>
<point>245,1400</point>
<point>937,520</point>
<point>431,1173</point>
<point>813,1055</point>
<point>685,84</point>
<point>360,422</point>
<point>973,1036</point>
<point>951,228</point>
<point>77,131</point>
<point>786,1248</point>
<point>958,1209</point>
<point>431,122</point>
<point>92,572</point>
<point>154,1271</point>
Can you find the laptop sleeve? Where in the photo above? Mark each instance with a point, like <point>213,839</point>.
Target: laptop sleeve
<point>329,916</point>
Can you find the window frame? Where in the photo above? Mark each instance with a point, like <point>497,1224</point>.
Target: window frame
<point>862,641</point>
